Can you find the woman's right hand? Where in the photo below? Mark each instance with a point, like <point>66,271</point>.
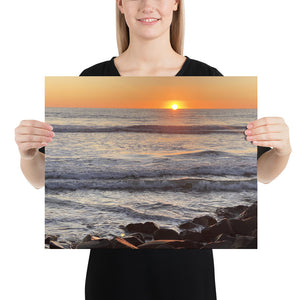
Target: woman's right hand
<point>31,135</point>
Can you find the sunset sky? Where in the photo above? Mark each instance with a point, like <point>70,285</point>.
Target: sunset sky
<point>151,92</point>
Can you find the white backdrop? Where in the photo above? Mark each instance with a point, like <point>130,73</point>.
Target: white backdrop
<point>54,38</point>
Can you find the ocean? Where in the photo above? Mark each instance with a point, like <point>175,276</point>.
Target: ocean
<point>106,168</point>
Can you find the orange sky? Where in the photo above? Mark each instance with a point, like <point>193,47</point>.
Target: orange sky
<point>151,92</point>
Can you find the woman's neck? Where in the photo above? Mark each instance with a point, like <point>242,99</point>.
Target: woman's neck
<point>149,58</point>
<point>150,52</point>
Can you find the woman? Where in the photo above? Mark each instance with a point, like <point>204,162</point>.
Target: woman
<point>150,42</point>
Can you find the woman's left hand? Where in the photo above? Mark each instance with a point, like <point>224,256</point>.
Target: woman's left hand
<point>270,132</point>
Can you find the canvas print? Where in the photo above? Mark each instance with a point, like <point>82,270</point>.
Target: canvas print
<point>150,162</point>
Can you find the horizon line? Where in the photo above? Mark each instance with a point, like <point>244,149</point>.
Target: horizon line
<point>147,108</point>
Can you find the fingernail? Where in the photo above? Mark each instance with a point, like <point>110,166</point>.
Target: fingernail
<point>249,126</point>
<point>50,127</point>
<point>248,132</point>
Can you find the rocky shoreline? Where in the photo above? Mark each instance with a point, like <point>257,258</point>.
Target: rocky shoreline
<point>237,229</point>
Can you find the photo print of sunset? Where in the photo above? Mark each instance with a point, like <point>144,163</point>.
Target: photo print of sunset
<point>150,162</point>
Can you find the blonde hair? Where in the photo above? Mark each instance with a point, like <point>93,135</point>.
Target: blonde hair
<point>176,30</point>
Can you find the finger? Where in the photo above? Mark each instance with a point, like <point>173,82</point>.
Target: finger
<point>35,123</point>
<point>32,138</point>
<point>265,121</point>
<point>266,137</point>
<point>274,128</point>
<point>271,144</point>
<point>24,130</point>
<point>23,147</point>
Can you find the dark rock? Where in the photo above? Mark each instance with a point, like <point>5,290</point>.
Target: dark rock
<point>166,234</point>
<point>139,235</point>
<point>211,232</point>
<point>245,226</point>
<point>90,237</point>
<point>148,236</point>
<point>192,235</point>
<point>244,242</point>
<point>118,243</point>
<point>226,244</point>
<point>224,237</point>
<point>50,237</point>
<point>74,244</point>
<point>147,227</point>
<point>230,212</point>
<point>205,221</point>
<point>101,243</point>
<point>133,240</point>
<point>251,211</point>
<point>66,244</point>
<point>155,243</point>
<point>178,244</point>
<point>165,246</point>
<point>187,225</point>
<point>55,245</point>
<point>253,244</point>
<point>254,233</point>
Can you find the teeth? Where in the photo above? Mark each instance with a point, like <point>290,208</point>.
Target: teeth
<point>148,20</point>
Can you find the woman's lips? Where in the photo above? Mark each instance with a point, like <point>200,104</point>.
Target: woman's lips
<point>148,21</point>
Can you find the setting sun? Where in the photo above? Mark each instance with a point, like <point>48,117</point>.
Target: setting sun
<point>174,106</point>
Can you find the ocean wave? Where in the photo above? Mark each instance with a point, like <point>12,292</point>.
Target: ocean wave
<point>90,174</point>
<point>147,212</point>
<point>182,184</point>
<point>203,129</point>
<point>208,153</point>
<point>136,213</point>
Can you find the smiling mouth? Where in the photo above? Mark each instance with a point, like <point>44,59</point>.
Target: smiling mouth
<point>148,20</point>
